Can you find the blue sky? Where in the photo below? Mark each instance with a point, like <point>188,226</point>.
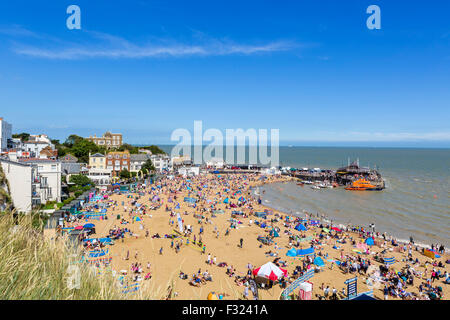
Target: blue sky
<point>311,69</point>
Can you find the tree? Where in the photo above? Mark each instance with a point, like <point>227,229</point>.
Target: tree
<point>125,174</point>
<point>72,140</point>
<point>148,165</point>
<point>129,147</point>
<point>154,149</point>
<point>80,180</point>
<point>81,149</point>
<point>23,136</point>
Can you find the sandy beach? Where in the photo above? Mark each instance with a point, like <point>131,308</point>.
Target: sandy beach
<point>210,192</point>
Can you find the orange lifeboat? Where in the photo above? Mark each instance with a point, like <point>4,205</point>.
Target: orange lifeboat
<point>362,185</point>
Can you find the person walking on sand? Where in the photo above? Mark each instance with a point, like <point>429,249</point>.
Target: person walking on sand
<point>215,260</point>
<point>209,258</point>
<point>161,251</point>
<point>241,241</point>
<point>246,292</point>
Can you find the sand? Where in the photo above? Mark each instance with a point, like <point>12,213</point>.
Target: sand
<point>165,268</point>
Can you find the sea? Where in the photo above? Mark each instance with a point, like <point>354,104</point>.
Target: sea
<point>415,203</point>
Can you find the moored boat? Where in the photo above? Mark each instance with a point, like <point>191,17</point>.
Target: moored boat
<point>363,185</point>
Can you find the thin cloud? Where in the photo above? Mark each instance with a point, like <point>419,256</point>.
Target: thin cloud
<point>18,31</point>
<point>114,47</point>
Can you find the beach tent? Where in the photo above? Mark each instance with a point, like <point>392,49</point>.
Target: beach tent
<point>300,227</point>
<point>261,214</point>
<point>318,262</point>
<point>369,241</point>
<point>105,240</point>
<point>364,296</point>
<point>137,219</point>
<point>305,252</point>
<point>274,233</point>
<point>226,200</point>
<point>305,290</point>
<point>270,271</point>
<point>292,253</point>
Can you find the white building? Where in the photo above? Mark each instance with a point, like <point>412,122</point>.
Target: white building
<point>5,134</point>
<point>180,161</point>
<point>137,161</point>
<point>101,177</point>
<point>35,147</point>
<point>24,184</point>
<point>216,163</point>
<point>189,171</point>
<point>160,162</point>
<point>49,172</point>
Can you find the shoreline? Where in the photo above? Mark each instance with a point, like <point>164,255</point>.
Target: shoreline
<point>302,215</point>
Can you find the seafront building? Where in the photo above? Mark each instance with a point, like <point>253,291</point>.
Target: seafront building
<point>49,176</point>
<point>23,185</point>
<point>137,161</point>
<point>117,161</point>
<point>97,161</point>
<point>5,135</point>
<point>40,146</point>
<point>108,140</point>
<point>160,162</point>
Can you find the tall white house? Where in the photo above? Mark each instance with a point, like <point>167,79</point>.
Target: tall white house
<point>49,174</point>
<point>5,134</point>
<point>23,184</point>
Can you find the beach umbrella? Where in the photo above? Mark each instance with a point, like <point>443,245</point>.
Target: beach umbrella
<point>213,296</point>
<point>89,226</point>
<point>270,271</point>
<point>336,229</point>
<point>78,228</point>
<point>326,230</point>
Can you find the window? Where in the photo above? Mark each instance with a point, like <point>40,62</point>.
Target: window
<point>53,167</point>
<point>117,163</point>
